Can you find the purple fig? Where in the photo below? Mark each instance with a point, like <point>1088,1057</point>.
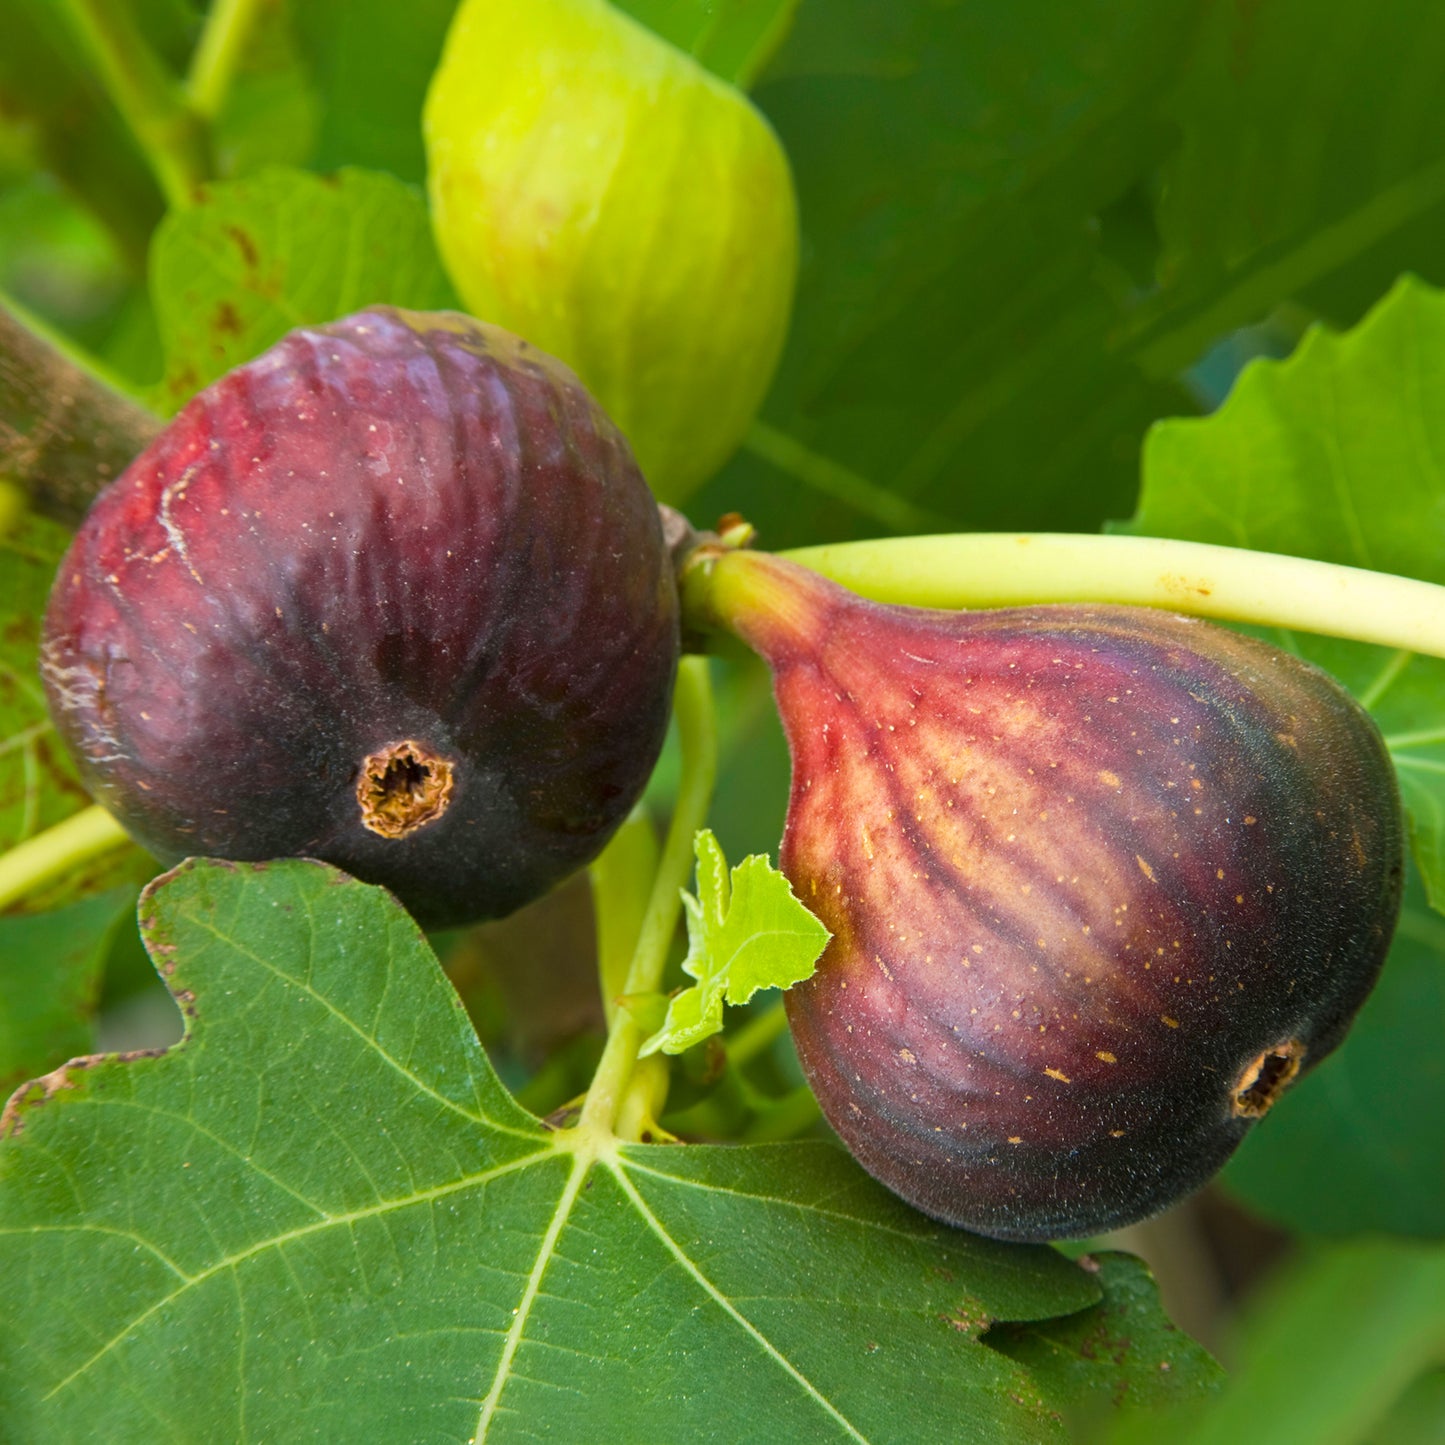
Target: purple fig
<point>1102,881</point>
<point>394,595</point>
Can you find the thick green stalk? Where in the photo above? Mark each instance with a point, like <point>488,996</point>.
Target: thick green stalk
<point>56,852</point>
<point>218,53</point>
<point>990,569</point>
<point>621,881</point>
<point>697,729</point>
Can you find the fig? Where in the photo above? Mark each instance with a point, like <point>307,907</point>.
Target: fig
<point>392,594</point>
<point>595,189</point>
<point>1102,881</point>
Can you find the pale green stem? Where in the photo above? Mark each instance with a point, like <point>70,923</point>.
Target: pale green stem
<point>993,569</point>
<point>13,506</point>
<point>218,53</point>
<point>697,730</point>
<point>56,852</point>
<point>793,1114</point>
<point>153,106</point>
<point>621,881</point>
<point>757,1034</point>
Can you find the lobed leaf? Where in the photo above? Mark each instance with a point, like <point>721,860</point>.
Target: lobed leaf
<point>320,1215</point>
<point>1337,453</point>
<point>746,930</point>
<point>1120,1354</point>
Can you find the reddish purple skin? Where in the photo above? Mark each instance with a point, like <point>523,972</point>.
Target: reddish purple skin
<point>1050,837</point>
<point>396,526</point>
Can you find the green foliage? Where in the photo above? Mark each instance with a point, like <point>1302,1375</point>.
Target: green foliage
<point>1366,1320</point>
<point>50,974</point>
<point>1335,454</point>
<point>734,38</point>
<point>1024,229</point>
<point>1118,1353</point>
<point>745,931</point>
<point>256,258</point>
<point>38,785</point>
<point>374,1156</point>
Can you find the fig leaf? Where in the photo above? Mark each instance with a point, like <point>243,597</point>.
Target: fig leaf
<point>234,273</point>
<point>746,930</point>
<point>326,1171</point>
<point>1335,453</point>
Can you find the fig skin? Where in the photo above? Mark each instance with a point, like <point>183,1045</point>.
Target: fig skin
<point>1101,881</point>
<point>406,538</point>
<point>595,188</point>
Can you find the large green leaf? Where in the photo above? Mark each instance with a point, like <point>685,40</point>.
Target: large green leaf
<point>1312,165</point>
<point>260,256</point>
<point>320,1215</point>
<point>1121,1352</point>
<point>1336,453</point>
<point>371,62</point>
<point>958,292</point>
<point>50,973</point>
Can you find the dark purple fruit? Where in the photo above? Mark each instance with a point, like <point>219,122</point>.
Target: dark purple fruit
<point>1101,880</point>
<point>393,595</point>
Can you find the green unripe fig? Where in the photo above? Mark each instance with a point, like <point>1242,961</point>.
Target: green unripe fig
<point>597,191</point>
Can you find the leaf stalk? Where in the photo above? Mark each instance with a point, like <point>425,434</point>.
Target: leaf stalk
<point>697,730</point>
<point>56,852</point>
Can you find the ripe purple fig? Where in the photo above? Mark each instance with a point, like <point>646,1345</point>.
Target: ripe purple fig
<point>1101,881</point>
<point>394,595</point>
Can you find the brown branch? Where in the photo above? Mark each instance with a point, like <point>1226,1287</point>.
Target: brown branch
<point>64,434</point>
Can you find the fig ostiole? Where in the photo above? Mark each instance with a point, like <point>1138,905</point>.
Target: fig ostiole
<point>393,594</point>
<point>595,189</point>
<point>1102,882</point>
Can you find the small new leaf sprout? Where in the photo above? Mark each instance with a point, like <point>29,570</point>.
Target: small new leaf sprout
<point>746,930</point>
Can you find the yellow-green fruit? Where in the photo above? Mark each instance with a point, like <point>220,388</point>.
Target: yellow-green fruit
<point>597,191</point>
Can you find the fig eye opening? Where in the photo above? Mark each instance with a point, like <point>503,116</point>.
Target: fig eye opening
<point>1265,1078</point>
<point>403,787</point>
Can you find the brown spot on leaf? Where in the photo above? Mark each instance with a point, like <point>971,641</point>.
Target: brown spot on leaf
<point>245,245</point>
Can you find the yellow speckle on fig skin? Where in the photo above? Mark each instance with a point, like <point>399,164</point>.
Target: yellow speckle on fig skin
<point>1061,921</point>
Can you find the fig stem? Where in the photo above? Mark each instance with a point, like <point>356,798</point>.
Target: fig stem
<point>757,1034</point>
<point>1006,569</point>
<point>56,852</point>
<point>697,731</point>
<point>621,879</point>
<point>218,52</point>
